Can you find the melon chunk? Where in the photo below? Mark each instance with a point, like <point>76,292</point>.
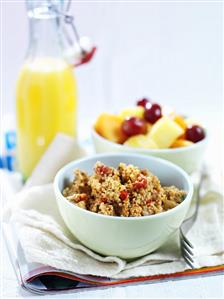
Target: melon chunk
<point>137,111</point>
<point>143,141</point>
<point>149,127</point>
<point>165,131</point>
<point>180,121</point>
<point>109,127</point>
<point>181,143</point>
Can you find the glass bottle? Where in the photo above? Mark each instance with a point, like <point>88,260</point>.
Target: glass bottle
<point>46,92</point>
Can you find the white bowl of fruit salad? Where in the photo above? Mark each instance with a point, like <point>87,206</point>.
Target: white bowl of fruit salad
<point>146,128</point>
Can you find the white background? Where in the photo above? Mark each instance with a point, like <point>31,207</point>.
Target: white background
<point>170,52</point>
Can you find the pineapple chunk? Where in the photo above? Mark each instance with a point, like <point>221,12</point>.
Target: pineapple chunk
<point>109,127</point>
<point>165,131</point>
<point>137,111</point>
<point>143,141</point>
<point>181,143</point>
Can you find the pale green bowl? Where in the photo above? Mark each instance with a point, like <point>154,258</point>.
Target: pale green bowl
<point>189,158</point>
<point>126,237</point>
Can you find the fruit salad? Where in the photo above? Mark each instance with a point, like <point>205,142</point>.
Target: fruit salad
<point>148,125</point>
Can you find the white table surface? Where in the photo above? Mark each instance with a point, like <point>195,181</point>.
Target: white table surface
<point>206,287</point>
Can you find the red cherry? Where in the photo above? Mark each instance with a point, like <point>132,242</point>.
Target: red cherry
<point>195,133</point>
<point>134,126</point>
<point>153,113</point>
<point>143,102</point>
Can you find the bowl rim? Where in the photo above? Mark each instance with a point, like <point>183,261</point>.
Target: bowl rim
<point>65,168</point>
<point>95,134</point>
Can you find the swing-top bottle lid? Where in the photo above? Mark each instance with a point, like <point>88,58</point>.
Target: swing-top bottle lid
<point>80,50</point>
<point>44,8</point>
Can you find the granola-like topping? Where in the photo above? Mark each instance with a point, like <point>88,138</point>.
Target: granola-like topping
<point>125,191</point>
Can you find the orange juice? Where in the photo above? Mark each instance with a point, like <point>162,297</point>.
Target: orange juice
<point>46,103</point>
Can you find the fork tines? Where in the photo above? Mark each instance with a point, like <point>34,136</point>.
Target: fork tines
<point>186,250</point>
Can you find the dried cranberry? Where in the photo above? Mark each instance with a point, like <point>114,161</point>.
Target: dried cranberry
<point>81,197</point>
<point>102,169</point>
<point>149,202</point>
<point>104,200</point>
<point>123,195</point>
<point>142,183</point>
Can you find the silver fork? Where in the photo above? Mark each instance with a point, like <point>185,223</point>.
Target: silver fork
<point>185,244</point>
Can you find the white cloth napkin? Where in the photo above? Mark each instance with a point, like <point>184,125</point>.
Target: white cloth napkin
<point>45,238</point>
<point>61,151</point>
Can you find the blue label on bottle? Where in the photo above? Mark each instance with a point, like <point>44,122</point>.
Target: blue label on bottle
<point>1,163</point>
<point>10,162</point>
<point>8,148</point>
<point>10,140</point>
